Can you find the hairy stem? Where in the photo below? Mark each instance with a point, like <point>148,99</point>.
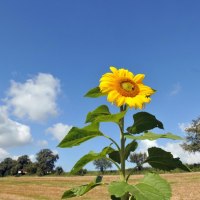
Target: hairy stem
<point>122,152</point>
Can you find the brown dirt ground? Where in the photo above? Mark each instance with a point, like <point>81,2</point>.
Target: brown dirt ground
<point>185,186</point>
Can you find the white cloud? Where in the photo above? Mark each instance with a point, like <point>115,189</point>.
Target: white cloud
<point>55,152</point>
<point>59,130</point>
<point>174,148</point>
<point>32,157</point>
<point>42,143</point>
<point>12,133</point>
<point>176,89</point>
<point>183,126</point>
<point>185,156</point>
<point>34,99</point>
<point>145,144</point>
<point>3,154</point>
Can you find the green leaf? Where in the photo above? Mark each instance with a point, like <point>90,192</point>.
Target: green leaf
<point>102,114</point>
<point>144,121</point>
<point>153,136</point>
<point>81,190</point>
<point>98,179</point>
<point>160,159</point>
<point>110,118</point>
<point>115,156</point>
<point>131,147</point>
<point>94,93</point>
<point>118,189</point>
<point>76,136</point>
<point>90,157</point>
<point>101,110</point>
<point>152,187</point>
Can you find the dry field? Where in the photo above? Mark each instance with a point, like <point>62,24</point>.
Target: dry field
<point>185,186</point>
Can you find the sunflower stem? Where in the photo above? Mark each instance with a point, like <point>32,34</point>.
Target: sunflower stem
<point>122,152</point>
<point>122,140</point>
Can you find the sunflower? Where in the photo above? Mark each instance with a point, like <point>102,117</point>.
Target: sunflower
<point>123,87</point>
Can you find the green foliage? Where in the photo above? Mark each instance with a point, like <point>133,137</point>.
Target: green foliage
<point>101,110</point>
<point>160,159</point>
<point>82,172</point>
<point>192,143</point>
<point>102,164</point>
<point>31,168</point>
<point>152,187</point>
<point>6,167</point>
<point>144,121</point>
<point>23,162</point>
<point>153,136</point>
<point>44,164</point>
<point>46,161</point>
<point>138,159</point>
<point>115,156</point>
<point>91,156</point>
<point>81,190</point>
<point>76,136</point>
<point>59,170</point>
<point>131,147</point>
<point>94,93</point>
<point>102,114</point>
<point>118,189</point>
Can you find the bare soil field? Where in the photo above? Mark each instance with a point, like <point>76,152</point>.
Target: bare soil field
<point>185,186</point>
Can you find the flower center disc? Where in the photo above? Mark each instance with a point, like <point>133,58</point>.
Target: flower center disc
<point>127,86</point>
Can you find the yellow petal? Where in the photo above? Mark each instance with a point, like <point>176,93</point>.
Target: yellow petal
<point>113,69</point>
<point>120,101</point>
<point>112,96</point>
<point>138,78</point>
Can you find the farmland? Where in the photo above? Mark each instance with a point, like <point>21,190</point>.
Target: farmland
<point>185,186</point>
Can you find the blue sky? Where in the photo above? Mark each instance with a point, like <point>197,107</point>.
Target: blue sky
<point>53,52</point>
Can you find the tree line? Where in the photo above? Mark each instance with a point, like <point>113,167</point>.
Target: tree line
<point>45,164</point>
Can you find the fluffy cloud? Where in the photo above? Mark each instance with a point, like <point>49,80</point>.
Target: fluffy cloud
<point>145,144</point>
<point>59,130</point>
<point>32,157</point>
<point>174,148</point>
<point>183,126</point>
<point>185,156</point>
<point>3,154</point>
<point>35,99</point>
<point>12,133</point>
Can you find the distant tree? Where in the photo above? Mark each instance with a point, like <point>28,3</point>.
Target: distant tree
<point>6,166</point>
<point>22,163</point>
<point>82,172</point>
<point>102,164</point>
<point>14,169</point>
<point>46,161</point>
<point>138,159</point>
<point>192,143</point>
<point>59,170</point>
<point>31,168</point>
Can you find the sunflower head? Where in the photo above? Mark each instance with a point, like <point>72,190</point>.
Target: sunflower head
<point>123,87</point>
